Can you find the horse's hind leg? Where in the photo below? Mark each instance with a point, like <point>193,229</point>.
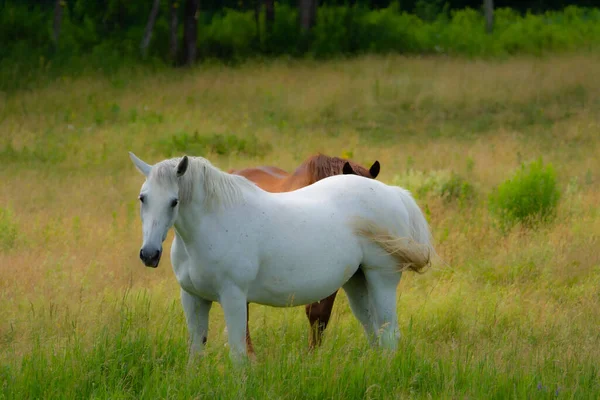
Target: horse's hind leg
<point>318,316</point>
<point>358,297</point>
<point>249,346</point>
<point>381,285</point>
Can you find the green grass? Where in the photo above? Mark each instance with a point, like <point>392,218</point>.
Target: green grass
<point>128,359</point>
<point>510,314</point>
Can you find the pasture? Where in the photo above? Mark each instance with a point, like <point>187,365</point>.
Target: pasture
<point>508,314</point>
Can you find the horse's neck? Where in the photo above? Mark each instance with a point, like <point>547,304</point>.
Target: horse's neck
<point>188,222</point>
<point>296,180</point>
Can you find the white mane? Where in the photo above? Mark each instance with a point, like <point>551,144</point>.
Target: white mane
<point>221,189</point>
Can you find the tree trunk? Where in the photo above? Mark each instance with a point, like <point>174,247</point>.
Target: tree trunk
<point>190,30</point>
<point>489,15</point>
<point>269,19</point>
<point>174,23</point>
<point>270,14</point>
<point>149,27</point>
<point>58,13</point>
<point>257,7</point>
<point>308,13</point>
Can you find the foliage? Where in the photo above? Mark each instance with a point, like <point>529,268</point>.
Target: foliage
<point>8,229</point>
<point>106,38</point>
<point>529,197</point>
<point>457,188</point>
<point>447,185</point>
<point>48,152</point>
<point>231,35</point>
<point>216,143</point>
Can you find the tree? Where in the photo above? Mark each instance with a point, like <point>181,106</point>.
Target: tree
<point>270,13</point>
<point>269,19</point>
<point>190,30</point>
<point>308,13</point>
<point>58,13</point>
<point>488,6</point>
<point>149,27</point>
<point>173,25</point>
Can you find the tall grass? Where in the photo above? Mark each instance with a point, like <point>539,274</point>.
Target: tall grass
<point>507,314</point>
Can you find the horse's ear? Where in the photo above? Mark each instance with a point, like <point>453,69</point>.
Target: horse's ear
<point>374,170</point>
<point>182,166</point>
<point>140,165</point>
<point>347,170</point>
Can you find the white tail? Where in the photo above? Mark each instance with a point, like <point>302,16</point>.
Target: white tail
<point>418,224</point>
<point>412,253</point>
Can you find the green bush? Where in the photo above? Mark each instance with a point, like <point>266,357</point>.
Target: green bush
<point>286,37</point>
<point>445,184</point>
<point>232,35</point>
<point>217,143</point>
<point>47,152</point>
<point>8,229</point>
<point>530,197</point>
<point>458,189</point>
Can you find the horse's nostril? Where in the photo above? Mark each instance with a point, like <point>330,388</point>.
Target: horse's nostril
<point>150,255</point>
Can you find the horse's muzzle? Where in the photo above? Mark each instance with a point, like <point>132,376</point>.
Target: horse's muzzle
<point>150,257</point>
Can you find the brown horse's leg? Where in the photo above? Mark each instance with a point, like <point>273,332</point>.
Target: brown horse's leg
<point>318,316</point>
<point>249,347</point>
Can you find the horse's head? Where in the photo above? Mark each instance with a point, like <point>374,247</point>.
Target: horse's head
<point>159,205</point>
<point>373,171</point>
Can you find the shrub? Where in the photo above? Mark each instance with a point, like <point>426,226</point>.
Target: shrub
<point>216,143</point>
<point>8,229</point>
<point>421,183</point>
<point>231,35</point>
<point>46,151</point>
<point>457,189</point>
<point>445,184</point>
<point>530,197</point>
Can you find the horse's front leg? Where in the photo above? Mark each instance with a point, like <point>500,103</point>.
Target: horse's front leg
<point>233,302</point>
<point>196,312</point>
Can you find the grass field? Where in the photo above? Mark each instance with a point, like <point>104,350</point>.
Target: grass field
<point>513,315</point>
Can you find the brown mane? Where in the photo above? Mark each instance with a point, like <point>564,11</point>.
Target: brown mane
<point>321,166</point>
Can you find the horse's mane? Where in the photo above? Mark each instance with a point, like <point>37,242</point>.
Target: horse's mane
<point>220,189</point>
<point>321,166</point>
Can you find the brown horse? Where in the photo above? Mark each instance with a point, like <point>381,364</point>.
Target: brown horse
<point>275,180</point>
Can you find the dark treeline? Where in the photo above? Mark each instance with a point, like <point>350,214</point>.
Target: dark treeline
<point>404,5</point>
<point>60,36</point>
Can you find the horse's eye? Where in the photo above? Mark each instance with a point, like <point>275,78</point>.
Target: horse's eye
<point>142,197</point>
<point>174,202</point>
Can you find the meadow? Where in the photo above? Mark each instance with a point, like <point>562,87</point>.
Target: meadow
<point>506,313</point>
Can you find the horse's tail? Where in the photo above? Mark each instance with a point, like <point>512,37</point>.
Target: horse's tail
<point>414,252</point>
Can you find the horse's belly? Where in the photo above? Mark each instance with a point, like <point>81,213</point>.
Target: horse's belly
<point>297,284</point>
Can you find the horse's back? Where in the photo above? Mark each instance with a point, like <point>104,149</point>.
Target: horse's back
<point>267,178</point>
<point>355,196</point>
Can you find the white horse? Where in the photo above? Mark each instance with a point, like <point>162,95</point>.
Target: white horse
<point>236,243</point>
